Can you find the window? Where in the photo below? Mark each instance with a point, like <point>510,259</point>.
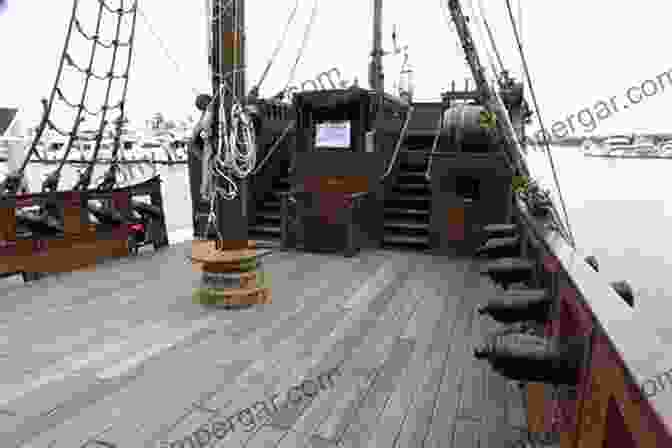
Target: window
<point>332,134</point>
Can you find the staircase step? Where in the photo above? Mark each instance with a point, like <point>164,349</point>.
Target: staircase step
<point>405,211</point>
<point>508,264</point>
<point>501,229</point>
<point>270,216</point>
<point>402,224</point>
<point>428,133</point>
<point>406,239</point>
<point>408,177</point>
<point>410,197</point>
<point>498,243</point>
<point>412,166</point>
<point>401,186</point>
<point>411,172</point>
<point>277,194</point>
<point>258,228</point>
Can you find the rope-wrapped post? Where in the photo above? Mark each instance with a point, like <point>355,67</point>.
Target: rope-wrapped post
<point>232,277</point>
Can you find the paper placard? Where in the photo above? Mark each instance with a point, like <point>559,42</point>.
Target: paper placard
<point>333,135</point>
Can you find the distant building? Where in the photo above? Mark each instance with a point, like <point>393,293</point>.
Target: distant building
<point>8,119</point>
<point>13,140</point>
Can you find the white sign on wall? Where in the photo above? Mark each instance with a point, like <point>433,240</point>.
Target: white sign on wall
<point>333,135</point>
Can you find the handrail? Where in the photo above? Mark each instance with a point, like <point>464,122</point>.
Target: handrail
<point>428,176</point>
<point>393,159</point>
<point>275,146</point>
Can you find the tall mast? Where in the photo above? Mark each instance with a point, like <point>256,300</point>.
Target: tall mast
<point>376,77</point>
<point>489,97</point>
<point>227,60</point>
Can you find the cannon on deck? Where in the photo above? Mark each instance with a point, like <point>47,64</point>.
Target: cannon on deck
<point>53,232</point>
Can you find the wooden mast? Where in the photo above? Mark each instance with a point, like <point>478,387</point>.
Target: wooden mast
<point>227,60</point>
<point>376,76</point>
<point>231,266</point>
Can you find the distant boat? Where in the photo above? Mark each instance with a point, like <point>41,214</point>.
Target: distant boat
<point>624,146</point>
<point>10,132</point>
<point>5,142</point>
<point>587,144</point>
<point>156,150</point>
<point>665,149</point>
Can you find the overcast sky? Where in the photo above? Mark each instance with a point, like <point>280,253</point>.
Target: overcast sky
<point>578,52</point>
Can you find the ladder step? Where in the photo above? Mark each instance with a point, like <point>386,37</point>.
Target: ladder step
<point>508,265</point>
<point>410,197</point>
<point>406,211</point>
<point>411,173</point>
<point>265,229</point>
<point>397,224</point>
<point>428,132</point>
<point>269,216</point>
<point>501,229</point>
<point>405,239</point>
<point>411,186</point>
<point>524,292</point>
<point>498,243</point>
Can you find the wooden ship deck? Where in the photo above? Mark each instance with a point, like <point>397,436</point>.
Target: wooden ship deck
<point>127,354</point>
<point>120,354</point>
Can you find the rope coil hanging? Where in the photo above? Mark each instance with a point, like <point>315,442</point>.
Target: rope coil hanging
<point>236,146</point>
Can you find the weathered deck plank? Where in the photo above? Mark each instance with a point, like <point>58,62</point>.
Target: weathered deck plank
<point>423,329</point>
<point>286,368</point>
<point>366,359</point>
<point>400,328</point>
<point>338,347</point>
<point>146,391</point>
<point>441,423</point>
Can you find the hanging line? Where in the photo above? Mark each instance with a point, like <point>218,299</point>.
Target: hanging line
<point>538,113</point>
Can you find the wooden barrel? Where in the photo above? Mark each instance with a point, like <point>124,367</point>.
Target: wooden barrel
<point>231,277</point>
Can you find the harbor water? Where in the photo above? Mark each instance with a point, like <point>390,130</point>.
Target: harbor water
<point>620,210</point>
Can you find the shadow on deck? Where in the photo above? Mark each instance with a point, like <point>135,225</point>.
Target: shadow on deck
<point>120,354</point>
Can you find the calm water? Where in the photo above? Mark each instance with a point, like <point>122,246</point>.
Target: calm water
<point>619,209</point>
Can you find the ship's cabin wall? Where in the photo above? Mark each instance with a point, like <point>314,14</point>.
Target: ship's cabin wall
<point>346,143</point>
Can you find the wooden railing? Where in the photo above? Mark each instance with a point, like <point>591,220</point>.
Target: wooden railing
<point>609,408</point>
<point>77,243</point>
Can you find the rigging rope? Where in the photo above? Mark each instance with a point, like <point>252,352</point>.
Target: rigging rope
<point>51,183</point>
<point>85,179</point>
<point>492,42</point>
<point>489,96</point>
<point>541,123</point>
<point>280,44</point>
<point>306,36</point>
<point>163,47</point>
